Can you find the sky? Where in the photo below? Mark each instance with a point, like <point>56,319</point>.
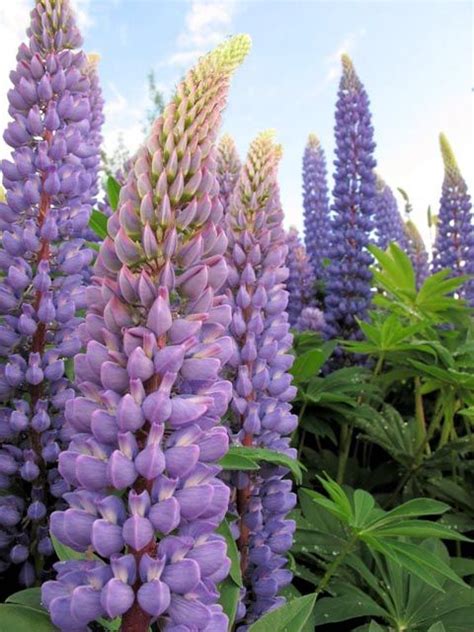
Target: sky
<point>414,57</point>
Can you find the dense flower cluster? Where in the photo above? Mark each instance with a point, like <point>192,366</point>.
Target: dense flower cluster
<point>417,252</point>
<point>50,185</point>
<point>315,206</point>
<point>142,461</point>
<point>300,283</point>
<point>454,244</point>
<point>261,412</point>
<point>348,286</point>
<point>228,168</point>
<point>311,319</point>
<point>389,224</point>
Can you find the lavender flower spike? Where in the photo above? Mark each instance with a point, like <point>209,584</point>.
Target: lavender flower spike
<point>416,250</point>
<point>148,421</point>
<point>454,244</point>
<point>261,411</point>
<point>228,167</point>
<point>49,186</point>
<point>348,286</point>
<point>300,283</point>
<point>316,206</point>
<point>389,224</point>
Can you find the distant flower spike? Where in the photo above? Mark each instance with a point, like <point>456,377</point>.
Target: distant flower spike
<point>316,206</point>
<point>262,384</point>
<point>228,167</point>
<point>454,244</point>
<point>300,283</point>
<point>143,462</point>
<point>389,224</point>
<point>416,250</point>
<point>50,187</point>
<point>348,285</point>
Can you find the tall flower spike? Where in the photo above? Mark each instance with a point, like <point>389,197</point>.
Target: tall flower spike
<point>416,250</point>
<point>315,205</point>
<point>389,224</point>
<point>49,186</point>
<point>348,286</point>
<point>261,414</point>
<point>300,283</point>
<point>228,167</point>
<point>454,243</point>
<point>148,421</point>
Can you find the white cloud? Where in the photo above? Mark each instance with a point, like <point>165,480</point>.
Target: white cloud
<point>207,23</point>
<point>332,62</point>
<point>82,10</point>
<point>122,119</point>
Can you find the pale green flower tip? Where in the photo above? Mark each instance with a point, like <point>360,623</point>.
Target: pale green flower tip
<point>313,141</point>
<point>449,159</point>
<point>231,53</point>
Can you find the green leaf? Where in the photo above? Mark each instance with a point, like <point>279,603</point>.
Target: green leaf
<point>363,505</point>
<point>111,625</point>
<point>19,618</point>
<point>308,364</point>
<point>64,553</point>
<point>270,456</point>
<point>229,598</point>
<point>237,462</point>
<point>411,509</point>
<point>291,617</point>
<point>113,192</point>
<point>232,552</point>
<point>437,627</point>
<point>351,602</point>
<point>420,529</point>
<point>30,597</point>
<point>98,223</point>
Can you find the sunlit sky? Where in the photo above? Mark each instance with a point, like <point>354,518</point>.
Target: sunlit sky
<point>415,59</point>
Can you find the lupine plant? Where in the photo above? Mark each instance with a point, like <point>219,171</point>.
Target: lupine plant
<point>348,284</point>
<point>300,282</point>
<point>50,185</point>
<point>454,243</point>
<point>315,205</point>
<point>261,413</point>
<point>142,462</point>
<point>389,224</point>
<point>228,168</point>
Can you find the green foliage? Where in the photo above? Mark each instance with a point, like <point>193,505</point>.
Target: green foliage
<point>113,192</point>
<point>98,223</point>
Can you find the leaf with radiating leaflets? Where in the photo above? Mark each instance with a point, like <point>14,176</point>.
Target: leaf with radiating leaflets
<point>291,617</point>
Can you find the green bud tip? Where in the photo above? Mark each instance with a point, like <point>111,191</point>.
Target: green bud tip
<point>449,159</point>
<point>230,54</point>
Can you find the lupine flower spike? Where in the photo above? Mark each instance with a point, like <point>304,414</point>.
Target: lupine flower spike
<point>454,243</point>
<point>348,285</point>
<point>261,412</point>
<point>300,283</point>
<point>389,224</point>
<point>228,167</point>
<point>50,184</point>
<point>148,427</point>
<point>316,206</point>
<point>416,250</point>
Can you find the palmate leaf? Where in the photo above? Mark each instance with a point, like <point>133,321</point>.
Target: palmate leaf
<point>350,602</point>
<point>293,616</point>
<point>30,597</point>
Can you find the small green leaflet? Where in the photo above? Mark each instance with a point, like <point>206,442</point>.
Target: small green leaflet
<point>291,617</point>
<point>19,618</point>
<point>113,192</point>
<point>98,223</point>
<point>269,456</point>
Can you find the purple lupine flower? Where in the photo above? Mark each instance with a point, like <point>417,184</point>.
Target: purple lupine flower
<point>300,282</point>
<point>228,167</point>
<point>49,189</point>
<point>316,206</point>
<point>454,243</point>
<point>147,426</point>
<point>261,411</point>
<point>348,285</point>
<point>416,250</point>
<point>389,224</point>
<point>311,319</point>
<point>96,121</point>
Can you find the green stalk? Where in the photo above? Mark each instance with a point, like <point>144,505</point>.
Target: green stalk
<point>331,569</point>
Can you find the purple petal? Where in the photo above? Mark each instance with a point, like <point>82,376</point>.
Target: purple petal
<point>154,597</point>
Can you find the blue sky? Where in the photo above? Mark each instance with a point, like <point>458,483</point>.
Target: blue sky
<point>415,59</point>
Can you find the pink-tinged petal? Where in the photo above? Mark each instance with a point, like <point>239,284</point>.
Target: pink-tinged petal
<point>137,532</point>
<point>116,598</point>
<point>200,369</point>
<point>194,281</point>
<point>91,472</point>
<point>154,597</point>
<point>183,329</point>
<point>182,576</point>
<point>181,460</point>
<point>165,515</point>
<point>159,317</point>
<point>183,611</point>
<point>121,471</point>
<point>194,500</point>
<point>106,538</point>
